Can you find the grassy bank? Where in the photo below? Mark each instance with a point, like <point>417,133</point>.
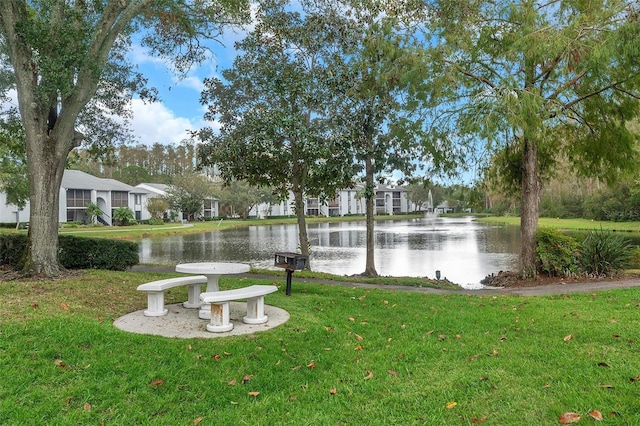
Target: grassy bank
<point>568,224</point>
<point>148,231</point>
<point>347,356</point>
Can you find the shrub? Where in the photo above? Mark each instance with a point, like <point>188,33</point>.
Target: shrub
<point>124,216</point>
<point>556,253</point>
<point>75,252</point>
<point>97,253</point>
<point>634,261</point>
<point>12,249</point>
<point>604,253</point>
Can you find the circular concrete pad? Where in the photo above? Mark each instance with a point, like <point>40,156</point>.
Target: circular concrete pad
<point>184,323</point>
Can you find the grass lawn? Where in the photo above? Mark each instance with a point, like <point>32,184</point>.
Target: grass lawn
<point>148,231</point>
<point>347,356</point>
<point>568,224</point>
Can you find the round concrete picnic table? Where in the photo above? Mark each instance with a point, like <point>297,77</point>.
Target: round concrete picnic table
<point>212,270</point>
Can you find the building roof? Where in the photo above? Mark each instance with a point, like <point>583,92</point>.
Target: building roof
<point>153,188</point>
<point>75,179</point>
<point>160,186</point>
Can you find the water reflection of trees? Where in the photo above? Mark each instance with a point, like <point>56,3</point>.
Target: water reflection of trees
<point>414,248</point>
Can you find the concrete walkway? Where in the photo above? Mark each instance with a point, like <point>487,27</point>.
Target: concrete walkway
<point>520,291</point>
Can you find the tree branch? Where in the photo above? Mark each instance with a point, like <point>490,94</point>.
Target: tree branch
<point>597,92</point>
<point>470,74</point>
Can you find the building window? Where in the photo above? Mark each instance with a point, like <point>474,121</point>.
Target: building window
<point>208,208</point>
<point>78,197</point>
<point>119,199</point>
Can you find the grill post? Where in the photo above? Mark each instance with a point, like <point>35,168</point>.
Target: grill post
<point>290,262</point>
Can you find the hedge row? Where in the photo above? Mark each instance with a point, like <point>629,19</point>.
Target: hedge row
<point>75,252</point>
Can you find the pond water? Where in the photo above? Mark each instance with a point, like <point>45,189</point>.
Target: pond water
<point>463,250</point>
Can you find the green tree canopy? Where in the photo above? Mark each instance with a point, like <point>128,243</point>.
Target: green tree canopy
<point>13,168</point>
<point>272,105</point>
<point>372,75</point>
<point>72,75</point>
<point>539,81</point>
<point>188,192</point>
<point>240,197</point>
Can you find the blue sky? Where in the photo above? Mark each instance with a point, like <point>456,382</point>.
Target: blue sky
<point>168,120</point>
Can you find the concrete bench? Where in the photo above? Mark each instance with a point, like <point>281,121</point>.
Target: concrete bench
<point>219,300</point>
<point>155,293</point>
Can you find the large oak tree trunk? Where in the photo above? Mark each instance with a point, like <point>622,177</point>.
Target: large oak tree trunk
<point>45,161</point>
<point>529,209</point>
<point>370,196</point>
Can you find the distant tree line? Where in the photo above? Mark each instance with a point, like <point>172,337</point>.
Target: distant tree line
<point>133,165</point>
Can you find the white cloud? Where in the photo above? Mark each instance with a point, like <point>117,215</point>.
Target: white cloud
<point>192,81</point>
<point>154,122</point>
<point>140,55</point>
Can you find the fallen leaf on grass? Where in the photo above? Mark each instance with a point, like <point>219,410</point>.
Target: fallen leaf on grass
<point>156,383</point>
<point>197,421</point>
<point>568,418</point>
<point>597,415</point>
<point>254,393</point>
<point>635,379</point>
<point>352,319</point>
<point>392,372</point>
<point>333,391</point>
<point>369,375</point>
<point>246,378</point>
<point>476,420</point>
<point>358,348</point>
<point>232,382</point>
<point>64,306</point>
<point>87,406</point>
<point>312,364</point>
<point>568,337</point>
<point>359,337</point>
<point>450,405</point>
<point>606,386</point>
<point>60,363</point>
